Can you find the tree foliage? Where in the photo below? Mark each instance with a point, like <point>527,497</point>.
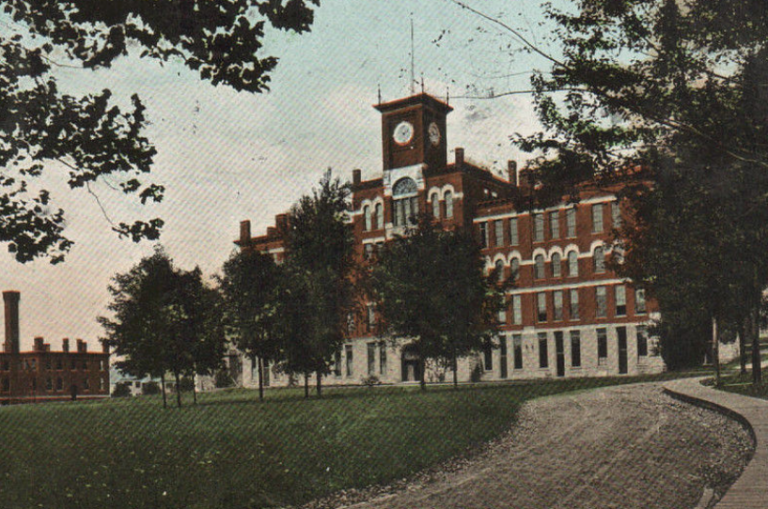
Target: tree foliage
<point>433,292</point>
<point>90,136</point>
<point>318,289</point>
<point>164,320</point>
<point>676,89</point>
<point>251,286</point>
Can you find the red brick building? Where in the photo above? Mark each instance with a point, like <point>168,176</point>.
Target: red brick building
<point>569,314</point>
<point>45,375</point>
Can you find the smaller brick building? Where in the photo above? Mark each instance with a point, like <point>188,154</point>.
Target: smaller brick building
<point>45,375</point>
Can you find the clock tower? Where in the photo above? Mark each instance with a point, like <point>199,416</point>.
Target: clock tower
<point>413,132</point>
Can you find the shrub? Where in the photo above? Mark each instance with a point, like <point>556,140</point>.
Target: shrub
<point>222,379</point>
<point>371,381</point>
<point>477,373</point>
<point>122,390</point>
<point>187,384</point>
<point>150,388</point>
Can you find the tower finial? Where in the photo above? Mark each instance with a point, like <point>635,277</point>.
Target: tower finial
<point>379,89</point>
<point>422,83</point>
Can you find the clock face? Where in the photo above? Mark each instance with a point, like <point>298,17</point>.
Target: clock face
<point>434,134</point>
<point>403,133</point>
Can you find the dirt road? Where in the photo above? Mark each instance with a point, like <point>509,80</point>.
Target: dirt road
<point>628,447</point>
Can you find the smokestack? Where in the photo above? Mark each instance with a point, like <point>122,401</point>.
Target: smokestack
<point>11,299</point>
<point>357,177</point>
<point>459,156</point>
<point>65,345</point>
<point>245,231</point>
<point>512,172</point>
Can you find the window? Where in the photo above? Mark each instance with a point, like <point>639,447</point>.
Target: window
<point>48,384</point>
<point>405,202</point>
<point>598,260</point>
<point>73,364</point>
<point>348,352</point>
<point>517,309</point>
<point>573,264</point>
<point>538,228</point>
<point>517,350</point>
<point>570,222</point>
<point>616,214</point>
<point>639,301</point>
<point>379,215</point>
<point>514,240</point>
<point>367,217</point>
<point>503,357</point>
<point>558,307</point>
<point>554,224</point>
<point>101,384</point>
<point>435,206</point>
<point>84,365</point>
<point>601,306</point>
<point>602,347</point>
<point>337,364</point>
<point>556,265</point>
<point>86,385</point>
<point>368,251</point>
<point>59,384</point>
<point>538,267</point>
<point>573,307</point>
<point>541,307</point>
<point>371,359</point>
<point>6,385</point>
<point>502,316</point>
<point>33,384</point>
<point>543,354</point>
<point>621,300</point>
<point>597,218</point>
<point>382,357</point>
<point>448,204</point>
<point>48,363</point>
<point>488,356</point>
<point>499,269</point>
<point>642,342</point>
<point>575,348</point>
<point>59,364</point>
<point>514,269</point>
<point>483,235</point>
<point>371,314</point>
<point>498,232</point>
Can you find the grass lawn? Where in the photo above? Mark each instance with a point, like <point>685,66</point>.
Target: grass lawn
<point>230,451</point>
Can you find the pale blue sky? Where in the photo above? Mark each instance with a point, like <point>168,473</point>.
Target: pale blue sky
<point>227,156</point>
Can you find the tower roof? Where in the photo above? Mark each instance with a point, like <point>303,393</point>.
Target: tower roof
<point>422,98</point>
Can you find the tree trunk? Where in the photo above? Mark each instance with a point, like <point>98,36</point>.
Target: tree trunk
<point>742,347</point>
<point>422,365</point>
<point>165,398</point>
<point>178,388</point>
<point>306,385</point>
<point>756,368</point>
<point>319,383</point>
<point>194,390</point>
<point>261,378</point>
<point>716,352</point>
<point>455,368</point>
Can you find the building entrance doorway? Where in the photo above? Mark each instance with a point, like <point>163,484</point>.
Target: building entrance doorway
<point>411,364</point>
<point>560,353</point>
<point>621,334</point>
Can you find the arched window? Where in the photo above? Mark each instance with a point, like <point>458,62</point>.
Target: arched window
<point>499,270</point>
<point>367,216</point>
<point>448,204</point>
<point>405,201</point>
<point>514,266</point>
<point>379,213</point>
<point>435,206</point>
<point>573,264</point>
<point>538,267</point>
<point>556,265</point>
<point>599,260</point>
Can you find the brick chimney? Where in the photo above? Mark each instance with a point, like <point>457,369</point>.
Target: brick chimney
<point>39,346</point>
<point>459,156</point>
<point>245,231</point>
<point>65,345</point>
<point>281,223</point>
<point>527,181</point>
<point>512,172</point>
<point>357,177</point>
<point>82,346</point>
<point>11,299</point>
<point>104,347</point>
